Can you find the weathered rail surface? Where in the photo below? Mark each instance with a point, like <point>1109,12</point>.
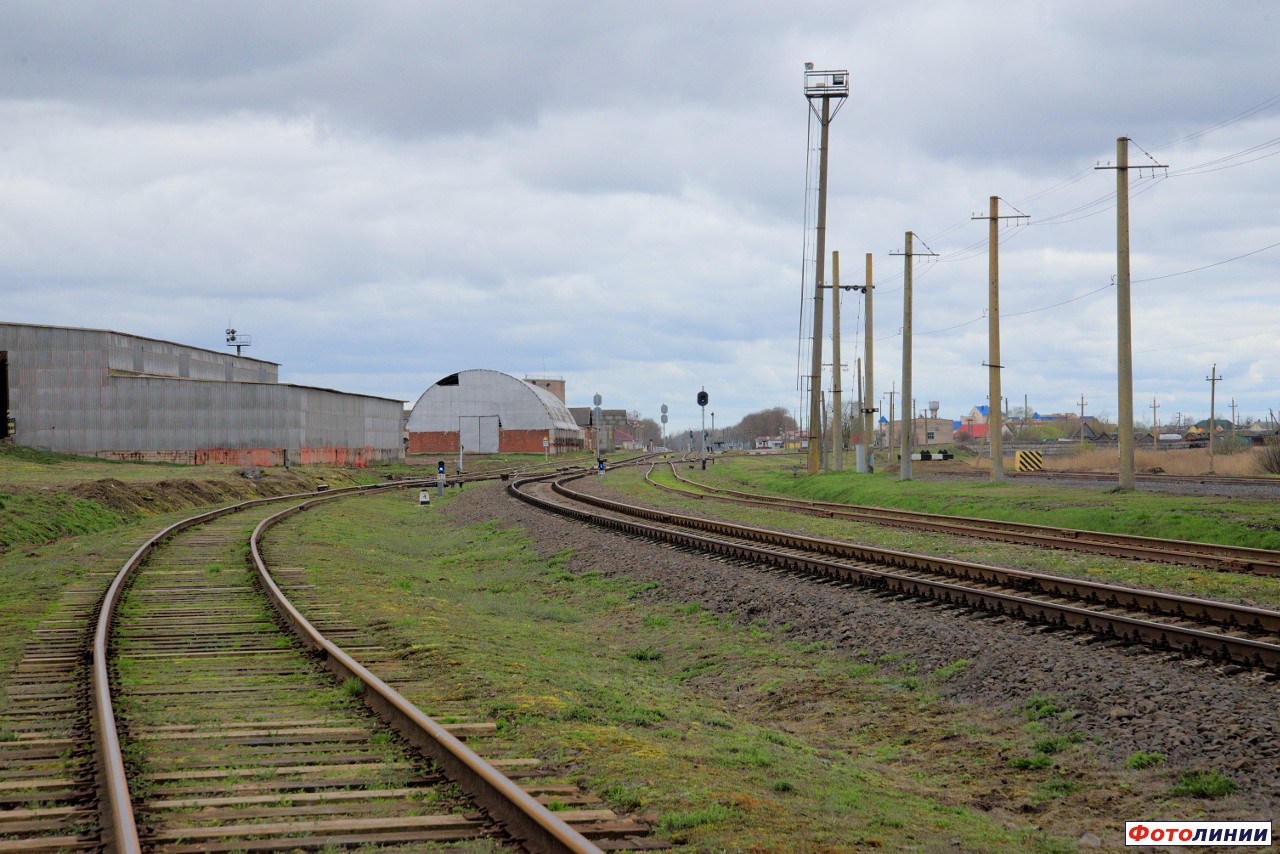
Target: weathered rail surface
<point>1226,632</point>
<point>211,732</point>
<point>1225,558</point>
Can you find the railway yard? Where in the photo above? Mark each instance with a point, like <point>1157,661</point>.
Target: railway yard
<point>662,657</point>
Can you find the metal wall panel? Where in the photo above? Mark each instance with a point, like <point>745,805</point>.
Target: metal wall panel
<point>65,397</point>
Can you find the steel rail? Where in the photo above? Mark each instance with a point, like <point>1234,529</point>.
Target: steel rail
<point>528,821</point>
<point>1224,558</point>
<point>1248,651</point>
<point>119,827</point>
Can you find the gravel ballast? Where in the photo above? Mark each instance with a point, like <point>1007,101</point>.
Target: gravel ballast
<point>1199,714</point>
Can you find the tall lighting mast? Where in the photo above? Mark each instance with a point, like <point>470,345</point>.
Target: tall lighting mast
<point>824,86</point>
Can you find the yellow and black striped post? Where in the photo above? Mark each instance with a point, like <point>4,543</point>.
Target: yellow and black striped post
<point>1028,460</point>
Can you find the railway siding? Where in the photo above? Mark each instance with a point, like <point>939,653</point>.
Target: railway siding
<point>1161,620</point>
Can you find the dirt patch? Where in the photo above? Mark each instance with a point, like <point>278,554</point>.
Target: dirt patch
<point>141,498</point>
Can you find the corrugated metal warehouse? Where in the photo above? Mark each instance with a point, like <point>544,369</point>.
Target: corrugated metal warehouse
<point>489,412</point>
<point>119,396</point>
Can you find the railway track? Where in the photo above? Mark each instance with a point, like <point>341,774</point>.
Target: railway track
<point>198,722</point>
<point>1225,632</point>
<point>1224,558</point>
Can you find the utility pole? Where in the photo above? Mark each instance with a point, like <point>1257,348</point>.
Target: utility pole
<point>1233,422</point>
<point>907,414</point>
<point>869,397</point>
<point>1082,406</point>
<point>1124,323</point>
<point>889,441</point>
<point>824,86</point>
<point>1213,379</point>
<point>995,424</point>
<point>860,457</point>
<point>837,417</point>
<point>1155,426</point>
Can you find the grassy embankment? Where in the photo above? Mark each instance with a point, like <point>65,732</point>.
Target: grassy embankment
<point>1253,523</point>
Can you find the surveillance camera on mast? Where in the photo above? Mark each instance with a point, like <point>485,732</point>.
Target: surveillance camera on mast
<point>238,339</point>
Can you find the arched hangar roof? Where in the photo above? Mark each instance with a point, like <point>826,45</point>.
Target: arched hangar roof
<point>479,392</point>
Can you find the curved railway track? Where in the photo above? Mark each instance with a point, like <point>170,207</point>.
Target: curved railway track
<point>1226,632</point>
<point>1220,557</point>
<point>214,729</point>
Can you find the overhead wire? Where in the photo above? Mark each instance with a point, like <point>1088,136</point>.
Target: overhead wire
<point>1099,206</point>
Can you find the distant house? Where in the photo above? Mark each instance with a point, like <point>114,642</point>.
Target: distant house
<point>925,432</point>
<point>1091,430</point>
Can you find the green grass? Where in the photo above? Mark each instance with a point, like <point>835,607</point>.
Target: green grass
<point>1250,523</point>
<point>724,729</point>
<point>32,517</point>
<point>1139,760</point>
<point>1203,784</point>
<point>1214,519</point>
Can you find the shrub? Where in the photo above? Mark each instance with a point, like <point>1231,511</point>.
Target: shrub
<point>1140,760</point>
<point>1037,762</point>
<point>1204,784</point>
<point>1269,457</point>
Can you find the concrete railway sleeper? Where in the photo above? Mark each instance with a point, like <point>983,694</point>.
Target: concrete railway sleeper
<point>1233,633</point>
<point>1213,555</point>
<point>212,730</point>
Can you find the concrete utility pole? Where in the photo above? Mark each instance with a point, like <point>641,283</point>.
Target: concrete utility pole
<point>1213,380</point>
<point>907,400</point>
<point>837,417</point>
<point>1155,426</point>
<point>995,423</point>
<point>907,414</point>
<point>889,440</point>
<point>1124,323</point>
<point>1082,406</point>
<point>862,422</point>
<point>868,395</point>
<point>1233,421</point>
<point>824,86</point>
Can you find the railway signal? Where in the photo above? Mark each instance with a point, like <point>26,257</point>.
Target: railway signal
<point>703,399</point>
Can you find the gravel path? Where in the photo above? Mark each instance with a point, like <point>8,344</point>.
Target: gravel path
<point>1201,716</point>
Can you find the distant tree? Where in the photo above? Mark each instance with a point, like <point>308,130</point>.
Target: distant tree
<point>643,429</point>
<point>766,422</point>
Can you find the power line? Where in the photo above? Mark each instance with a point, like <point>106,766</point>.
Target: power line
<point>1207,266</point>
<point>1238,117</point>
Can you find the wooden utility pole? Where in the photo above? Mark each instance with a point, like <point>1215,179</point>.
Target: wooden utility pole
<point>1213,380</point>
<point>837,417</point>
<point>995,423</point>
<point>907,414</point>
<point>1124,322</point>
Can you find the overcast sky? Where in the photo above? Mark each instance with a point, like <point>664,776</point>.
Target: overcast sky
<point>384,193</point>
